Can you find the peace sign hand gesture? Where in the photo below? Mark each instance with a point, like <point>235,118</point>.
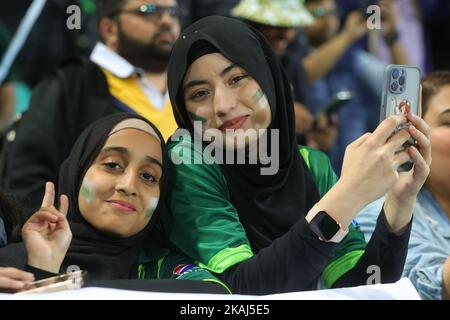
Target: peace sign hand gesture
<point>47,234</point>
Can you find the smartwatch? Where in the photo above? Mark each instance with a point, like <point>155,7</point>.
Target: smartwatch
<point>326,228</point>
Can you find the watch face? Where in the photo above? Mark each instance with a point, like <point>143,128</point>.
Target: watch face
<point>324,226</point>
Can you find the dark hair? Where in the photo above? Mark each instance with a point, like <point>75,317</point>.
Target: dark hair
<point>10,213</point>
<point>431,85</point>
<point>105,8</point>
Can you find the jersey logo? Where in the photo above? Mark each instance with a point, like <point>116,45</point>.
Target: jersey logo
<point>182,268</point>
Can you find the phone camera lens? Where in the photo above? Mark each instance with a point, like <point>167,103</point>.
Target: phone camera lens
<point>394,86</point>
<point>396,73</point>
<point>401,81</point>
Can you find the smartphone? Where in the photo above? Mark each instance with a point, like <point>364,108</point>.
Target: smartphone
<point>68,281</point>
<point>401,93</point>
<point>336,102</point>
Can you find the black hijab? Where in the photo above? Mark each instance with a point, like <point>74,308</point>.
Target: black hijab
<point>104,257</point>
<point>268,205</point>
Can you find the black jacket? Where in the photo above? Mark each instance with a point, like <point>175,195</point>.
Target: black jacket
<point>62,105</point>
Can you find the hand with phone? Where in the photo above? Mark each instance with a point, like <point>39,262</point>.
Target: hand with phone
<point>369,170</point>
<point>68,281</point>
<point>47,233</point>
<point>12,279</point>
<point>303,118</point>
<point>401,87</point>
<point>400,200</point>
<point>324,133</point>
<point>332,107</point>
<point>402,96</point>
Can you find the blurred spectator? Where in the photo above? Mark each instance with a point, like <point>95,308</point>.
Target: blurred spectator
<point>10,220</point>
<point>14,94</point>
<point>6,88</point>
<point>334,65</point>
<point>127,72</point>
<point>50,41</point>
<point>408,29</point>
<point>433,15</point>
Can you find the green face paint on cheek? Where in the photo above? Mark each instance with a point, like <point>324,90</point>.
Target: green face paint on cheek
<point>260,98</point>
<point>151,206</point>
<point>87,191</point>
<point>196,117</point>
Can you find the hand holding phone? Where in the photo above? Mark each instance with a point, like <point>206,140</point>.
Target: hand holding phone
<point>69,281</point>
<point>12,279</point>
<point>401,92</point>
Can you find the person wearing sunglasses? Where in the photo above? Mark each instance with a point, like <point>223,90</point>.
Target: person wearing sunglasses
<point>128,67</point>
<point>152,12</point>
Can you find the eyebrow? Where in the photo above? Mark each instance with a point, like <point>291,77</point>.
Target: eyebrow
<point>444,112</point>
<point>125,151</point>
<point>227,69</point>
<point>153,161</point>
<point>194,83</point>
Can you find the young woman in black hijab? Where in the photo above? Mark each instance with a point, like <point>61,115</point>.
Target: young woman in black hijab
<point>110,185</point>
<point>267,232</point>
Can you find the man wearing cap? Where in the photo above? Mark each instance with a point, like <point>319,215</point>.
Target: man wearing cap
<point>280,21</point>
<point>126,72</point>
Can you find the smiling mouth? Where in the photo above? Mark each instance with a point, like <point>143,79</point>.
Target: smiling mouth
<point>233,124</point>
<point>122,206</point>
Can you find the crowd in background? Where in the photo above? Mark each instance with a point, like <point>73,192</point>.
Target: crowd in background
<point>325,48</point>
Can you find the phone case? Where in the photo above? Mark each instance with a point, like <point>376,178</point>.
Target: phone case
<point>401,91</point>
<point>408,91</point>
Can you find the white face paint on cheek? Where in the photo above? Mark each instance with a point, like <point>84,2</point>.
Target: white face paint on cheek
<point>261,99</point>
<point>151,206</point>
<point>87,190</point>
<point>263,103</point>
